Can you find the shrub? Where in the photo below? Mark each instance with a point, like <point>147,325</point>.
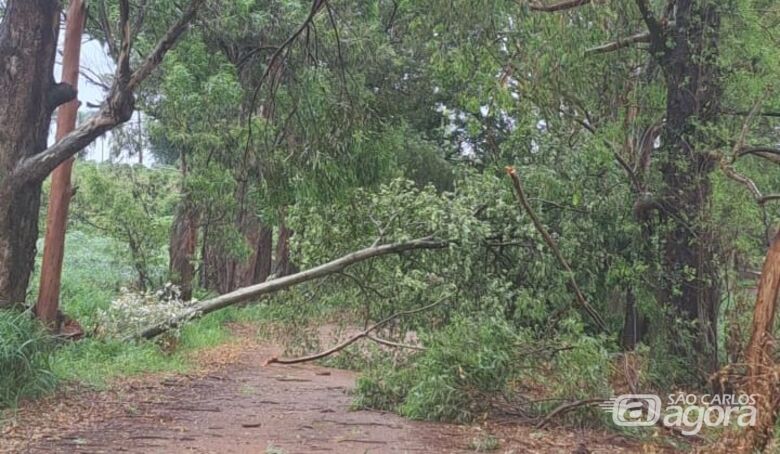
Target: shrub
<point>474,364</point>
<point>25,350</point>
<point>464,364</point>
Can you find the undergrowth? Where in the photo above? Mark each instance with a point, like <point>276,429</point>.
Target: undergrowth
<point>474,365</point>
<point>25,358</point>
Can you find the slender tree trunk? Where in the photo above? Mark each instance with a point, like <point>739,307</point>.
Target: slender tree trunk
<point>28,43</point>
<point>60,194</point>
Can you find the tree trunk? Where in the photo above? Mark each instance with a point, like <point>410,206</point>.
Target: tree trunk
<point>28,42</point>
<point>762,376</point>
<point>274,285</point>
<point>283,265</point>
<point>224,273</point>
<point>184,240</point>
<point>60,194</point>
<point>690,287</point>
<point>634,324</point>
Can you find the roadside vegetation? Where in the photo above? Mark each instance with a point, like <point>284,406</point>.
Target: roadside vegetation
<point>490,209</point>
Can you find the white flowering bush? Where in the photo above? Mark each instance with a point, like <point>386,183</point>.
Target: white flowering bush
<point>134,311</point>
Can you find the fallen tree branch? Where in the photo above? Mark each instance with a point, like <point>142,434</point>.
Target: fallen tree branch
<point>353,339</point>
<point>275,285</point>
<point>388,343</point>
<point>594,315</point>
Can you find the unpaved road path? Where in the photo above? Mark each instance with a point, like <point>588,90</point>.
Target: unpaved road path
<point>243,407</point>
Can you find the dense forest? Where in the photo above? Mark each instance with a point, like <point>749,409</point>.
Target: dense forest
<point>499,215</point>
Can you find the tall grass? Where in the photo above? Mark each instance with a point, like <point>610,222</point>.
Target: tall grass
<point>25,358</point>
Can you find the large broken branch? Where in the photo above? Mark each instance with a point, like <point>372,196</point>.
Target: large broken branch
<point>365,333</point>
<point>594,315</point>
<point>118,105</point>
<point>275,285</point>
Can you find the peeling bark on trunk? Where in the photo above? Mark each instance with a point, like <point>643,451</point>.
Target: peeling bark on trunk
<point>28,41</point>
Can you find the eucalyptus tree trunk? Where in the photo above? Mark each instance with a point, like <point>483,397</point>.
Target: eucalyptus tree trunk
<point>690,68</point>
<point>28,96</point>
<point>283,265</point>
<point>183,244</point>
<point>47,307</point>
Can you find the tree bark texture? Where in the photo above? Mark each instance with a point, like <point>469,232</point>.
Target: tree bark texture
<point>690,286</point>
<point>28,96</point>
<point>60,194</point>
<point>763,377</point>
<point>183,244</point>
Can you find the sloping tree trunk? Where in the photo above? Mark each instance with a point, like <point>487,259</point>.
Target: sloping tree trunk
<point>274,285</point>
<point>28,96</point>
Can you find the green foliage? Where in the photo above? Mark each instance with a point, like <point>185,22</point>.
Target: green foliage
<point>465,364</point>
<point>131,204</point>
<point>25,358</point>
<point>472,363</point>
<point>393,120</point>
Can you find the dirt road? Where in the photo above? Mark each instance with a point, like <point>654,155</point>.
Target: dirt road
<point>242,407</point>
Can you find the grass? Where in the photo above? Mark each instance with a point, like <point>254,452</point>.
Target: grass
<point>95,268</point>
<point>25,355</point>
